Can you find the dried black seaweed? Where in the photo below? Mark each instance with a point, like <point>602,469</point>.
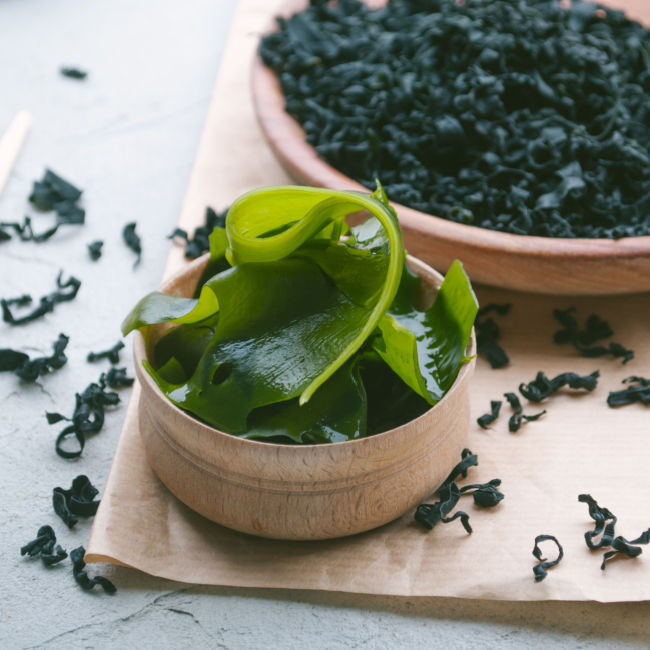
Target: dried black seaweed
<point>485,495</point>
<point>115,378</point>
<point>12,360</point>
<point>199,243</point>
<point>467,460</point>
<point>95,250</point>
<point>518,417</point>
<point>502,309</point>
<point>81,576</point>
<point>637,380</point>
<point>540,570</point>
<point>50,193</point>
<point>25,231</point>
<point>31,369</point>
<point>73,73</point>
<point>485,420</point>
<point>132,240</point>
<point>55,193</point>
<point>523,117</point>
<point>638,390</point>
<point>20,301</point>
<point>44,547</point>
<point>595,330</point>
<point>65,291</point>
<point>430,514</point>
<point>623,547</point>
<point>78,500</point>
<point>488,334</point>
<point>112,354</point>
<point>88,415</point>
<point>542,387</point>
<point>605,522</point>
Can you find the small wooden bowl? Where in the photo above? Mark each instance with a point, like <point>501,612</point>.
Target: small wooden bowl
<point>534,264</point>
<point>292,491</point>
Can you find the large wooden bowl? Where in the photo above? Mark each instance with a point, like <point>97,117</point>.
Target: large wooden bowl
<point>300,492</point>
<point>535,264</point>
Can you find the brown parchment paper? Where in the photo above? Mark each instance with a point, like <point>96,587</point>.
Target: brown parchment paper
<point>581,445</point>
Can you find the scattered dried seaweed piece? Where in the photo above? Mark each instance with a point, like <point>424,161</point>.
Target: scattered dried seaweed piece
<point>488,333</point>
<point>11,360</point>
<point>88,415</point>
<point>78,500</point>
<point>199,243</point>
<point>95,250</point>
<point>596,329</point>
<point>88,418</point>
<point>468,459</point>
<point>517,419</point>
<point>71,283</point>
<point>180,233</point>
<point>614,349</point>
<point>502,309</point>
<point>21,301</point>
<point>430,514</point>
<point>132,241</point>
<point>66,291</point>
<point>115,378</point>
<point>73,73</point>
<point>32,369</point>
<point>542,387</point>
<point>540,570</point>
<point>637,380</point>
<point>622,546</point>
<point>112,354</point>
<point>62,189</point>
<point>518,416</point>
<point>81,577</point>
<point>485,420</point>
<point>575,381</point>
<point>53,192</point>
<point>538,389</point>
<point>69,214</point>
<point>605,522</point>
<point>44,546</point>
<point>638,390</point>
<point>26,233</point>
<point>486,495</point>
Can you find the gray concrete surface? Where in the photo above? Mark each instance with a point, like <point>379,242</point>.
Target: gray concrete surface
<point>127,136</point>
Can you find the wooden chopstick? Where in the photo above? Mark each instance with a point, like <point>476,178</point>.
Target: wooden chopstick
<point>11,143</point>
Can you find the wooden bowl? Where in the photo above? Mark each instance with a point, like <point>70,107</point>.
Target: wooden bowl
<point>300,492</point>
<point>534,264</point>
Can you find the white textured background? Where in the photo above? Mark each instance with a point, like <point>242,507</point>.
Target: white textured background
<point>127,136</point>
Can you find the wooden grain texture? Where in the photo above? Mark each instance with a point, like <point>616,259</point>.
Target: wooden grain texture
<point>534,264</point>
<point>300,492</point>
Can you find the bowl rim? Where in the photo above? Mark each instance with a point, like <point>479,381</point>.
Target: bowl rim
<point>285,134</point>
<point>140,354</point>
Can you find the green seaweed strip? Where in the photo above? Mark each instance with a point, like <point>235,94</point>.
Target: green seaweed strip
<point>300,214</point>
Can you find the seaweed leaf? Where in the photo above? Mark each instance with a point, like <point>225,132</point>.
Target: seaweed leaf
<point>287,337</point>
<point>426,348</point>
